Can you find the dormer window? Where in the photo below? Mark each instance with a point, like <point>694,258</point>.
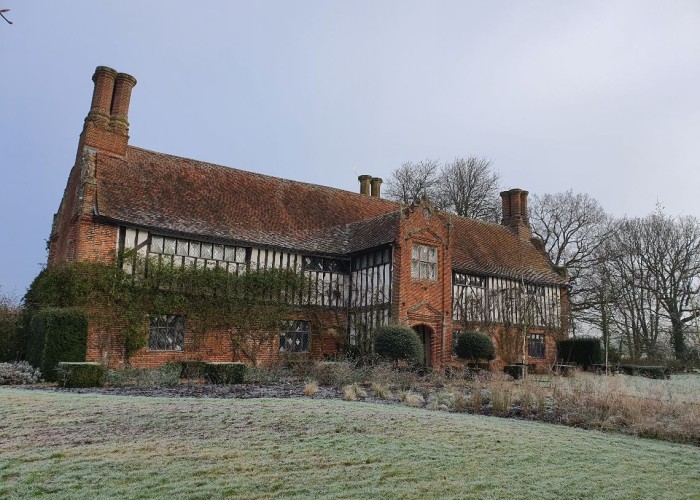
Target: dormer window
<point>424,262</point>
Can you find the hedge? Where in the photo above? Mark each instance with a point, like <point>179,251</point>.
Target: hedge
<point>192,369</point>
<point>80,374</point>
<point>56,334</point>
<point>398,342</point>
<point>658,372</point>
<point>585,352</point>
<point>224,373</point>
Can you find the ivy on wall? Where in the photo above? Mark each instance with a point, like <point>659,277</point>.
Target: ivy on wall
<point>248,306</point>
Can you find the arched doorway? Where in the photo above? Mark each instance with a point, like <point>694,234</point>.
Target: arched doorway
<point>425,334</point>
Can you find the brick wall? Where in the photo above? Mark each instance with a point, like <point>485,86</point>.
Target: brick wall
<point>421,301</point>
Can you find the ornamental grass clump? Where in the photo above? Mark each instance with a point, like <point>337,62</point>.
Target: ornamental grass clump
<point>396,343</point>
<point>353,391</point>
<point>310,388</point>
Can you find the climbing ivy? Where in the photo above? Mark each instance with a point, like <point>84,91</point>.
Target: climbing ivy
<point>245,305</point>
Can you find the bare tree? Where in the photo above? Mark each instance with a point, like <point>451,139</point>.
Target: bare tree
<point>671,256</point>
<point>574,228</point>
<point>465,186</point>
<point>413,181</point>
<point>469,187</point>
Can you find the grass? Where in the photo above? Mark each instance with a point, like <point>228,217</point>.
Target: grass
<point>89,446</point>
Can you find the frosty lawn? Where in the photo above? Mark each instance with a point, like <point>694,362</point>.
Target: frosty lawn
<point>83,446</point>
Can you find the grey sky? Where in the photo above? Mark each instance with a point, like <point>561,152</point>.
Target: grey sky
<point>600,97</point>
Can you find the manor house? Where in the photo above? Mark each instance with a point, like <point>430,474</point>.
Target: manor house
<point>371,261</point>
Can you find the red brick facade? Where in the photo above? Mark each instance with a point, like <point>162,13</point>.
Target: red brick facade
<point>114,186</point>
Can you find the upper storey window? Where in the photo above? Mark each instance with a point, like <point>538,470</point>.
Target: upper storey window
<point>424,262</point>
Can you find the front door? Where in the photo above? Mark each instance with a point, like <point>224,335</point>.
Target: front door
<point>424,334</point>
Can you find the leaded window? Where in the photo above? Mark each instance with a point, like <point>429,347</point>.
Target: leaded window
<point>424,262</point>
<point>535,347</point>
<point>166,333</point>
<point>294,336</point>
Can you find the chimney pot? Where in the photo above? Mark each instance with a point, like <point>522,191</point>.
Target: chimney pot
<point>365,184</point>
<point>119,120</point>
<point>376,185</point>
<point>102,95</point>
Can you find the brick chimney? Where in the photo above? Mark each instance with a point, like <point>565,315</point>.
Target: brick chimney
<point>376,185</point>
<point>515,218</point>
<point>106,125</point>
<point>365,181</point>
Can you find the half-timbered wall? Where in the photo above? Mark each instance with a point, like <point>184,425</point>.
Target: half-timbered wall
<point>370,288</point>
<point>484,299</point>
<point>328,279</point>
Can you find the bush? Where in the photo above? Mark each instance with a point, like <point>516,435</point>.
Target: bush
<point>56,334</point>
<point>192,369</point>
<point>167,375</point>
<point>585,352</point>
<point>19,373</point>
<point>475,346</point>
<point>80,374</point>
<point>398,342</point>
<point>657,372</point>
<point>224,373</point>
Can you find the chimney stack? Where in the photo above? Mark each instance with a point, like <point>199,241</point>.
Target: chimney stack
<point>365,184</point>
<point>376,185</point>
<point>515,216</point>
<point>107,126</point>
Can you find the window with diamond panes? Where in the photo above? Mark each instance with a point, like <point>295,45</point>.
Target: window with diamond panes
<point>166,333</point>
<point>424,262</point>
<point>535,347</point>
<point>294,336</point>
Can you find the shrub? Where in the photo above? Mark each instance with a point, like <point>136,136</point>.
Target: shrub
<point>398,342</point>
<point>657,372</point>
<point>167,375</point>
<point>516,371</point>
<point>80,374</point>
<point>585,352</point>
<point>224,373</point>
<point>475,346</point>
<point>19,373</point>
<point>334,373</point>
<point>56,334</point>
<point>192,369</point>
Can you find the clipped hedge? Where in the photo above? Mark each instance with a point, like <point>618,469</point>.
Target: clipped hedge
<point>475,346</point>
<point>224,373</point>
<point>657,372</point>
<point>398,342</point>
<point>192,369</point>
<point>584,352</point>
<point>56,334</point>
<point>80,374</point>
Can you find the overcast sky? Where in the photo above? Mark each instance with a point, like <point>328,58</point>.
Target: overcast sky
<point>599,97</point>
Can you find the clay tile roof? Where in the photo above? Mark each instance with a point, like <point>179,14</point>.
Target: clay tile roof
<point>180,195</point>
<point>491,249</point>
